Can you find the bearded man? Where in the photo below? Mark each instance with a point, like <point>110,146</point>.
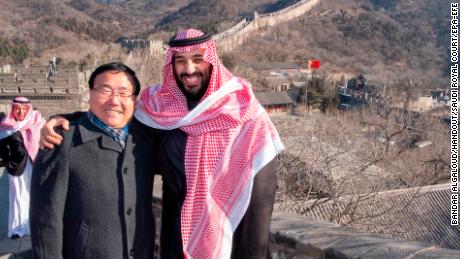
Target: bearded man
<point>217,154</point>
<point>19,136</point>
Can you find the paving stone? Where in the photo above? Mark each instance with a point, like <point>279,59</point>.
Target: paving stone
<point>436,253</point>
<point>357,246</point>
<point>3,201</point>
<point>26,243</point>
<point>292,236</point>
<point>395,249</point>
<point>9,245</point>
<point>10,248</point>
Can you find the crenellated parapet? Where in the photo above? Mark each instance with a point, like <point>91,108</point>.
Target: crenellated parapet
<point>51,93</point>
<point>134,43</point>
<point>157,47</point>
<point>284,15</point>
<point>231,31</point>
<point>239,33</point>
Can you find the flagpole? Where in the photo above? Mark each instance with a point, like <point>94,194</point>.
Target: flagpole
<point>312,64</point>
<point>306,93</point>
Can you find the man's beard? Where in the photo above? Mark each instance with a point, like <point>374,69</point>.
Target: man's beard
<point>192,96</point>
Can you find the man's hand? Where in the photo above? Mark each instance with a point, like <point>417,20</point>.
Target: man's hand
<point>49,137</point>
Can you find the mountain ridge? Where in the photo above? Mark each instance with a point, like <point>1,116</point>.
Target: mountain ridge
<point>356,35</point>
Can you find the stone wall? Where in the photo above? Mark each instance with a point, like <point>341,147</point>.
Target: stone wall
<point>284,15</point>
<point>235,38</point>
<point>157,47</point>
<point>239,33</point>
<point>418,214</point>
<point>50,93</point>
<point>134,43</point>
<point>294,236</point>
<point>230,32</point>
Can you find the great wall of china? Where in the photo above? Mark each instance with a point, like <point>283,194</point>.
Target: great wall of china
<point>237,35</point>
<point>67,87</point>
<point>294,235</point>
<point>240,32</point>
<point>51,93</point>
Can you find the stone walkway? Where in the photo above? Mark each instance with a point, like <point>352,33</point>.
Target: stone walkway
<point>9,248</point>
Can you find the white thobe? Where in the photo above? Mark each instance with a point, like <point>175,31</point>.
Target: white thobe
<point>19,202</point>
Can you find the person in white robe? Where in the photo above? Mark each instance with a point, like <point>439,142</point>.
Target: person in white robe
<point>19,138</point>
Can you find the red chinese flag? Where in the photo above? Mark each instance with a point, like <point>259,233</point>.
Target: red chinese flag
<point>313,64</point>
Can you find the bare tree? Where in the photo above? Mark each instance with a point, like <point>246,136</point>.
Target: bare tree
<point>344,161</point>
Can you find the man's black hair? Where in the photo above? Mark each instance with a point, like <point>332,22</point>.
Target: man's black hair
<point>115,66</point>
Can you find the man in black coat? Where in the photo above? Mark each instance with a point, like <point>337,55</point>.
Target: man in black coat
<point>92,195</point>
<point>218,149</point>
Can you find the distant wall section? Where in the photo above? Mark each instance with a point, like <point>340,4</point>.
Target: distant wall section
<point>239,33</point>
<point>51,93</point>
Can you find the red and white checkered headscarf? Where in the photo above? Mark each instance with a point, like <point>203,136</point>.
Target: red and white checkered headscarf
<point>29,127</point>
<point>230,138</point>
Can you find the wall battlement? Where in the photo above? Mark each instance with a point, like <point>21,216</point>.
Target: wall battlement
<point>239,33</point>
<point>50,93</point>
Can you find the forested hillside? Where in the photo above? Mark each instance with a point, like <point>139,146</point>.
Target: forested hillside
<point>386,39</point>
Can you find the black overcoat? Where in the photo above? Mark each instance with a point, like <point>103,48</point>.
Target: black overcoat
<point>92,199</point>
<point>13,154</point>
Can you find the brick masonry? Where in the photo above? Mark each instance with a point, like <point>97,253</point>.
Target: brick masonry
<point>60,92</point>
<point>292,236</point>
<point>295,236</point>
